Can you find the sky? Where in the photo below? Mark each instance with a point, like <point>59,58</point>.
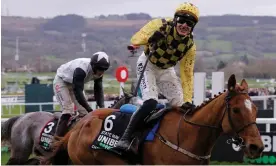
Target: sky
<point>156,8</point>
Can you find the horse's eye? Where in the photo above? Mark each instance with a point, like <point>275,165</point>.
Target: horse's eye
<point>236,110</point>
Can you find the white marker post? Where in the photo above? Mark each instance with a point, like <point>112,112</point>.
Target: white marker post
<point>122,84</point>
<point>122,76</point>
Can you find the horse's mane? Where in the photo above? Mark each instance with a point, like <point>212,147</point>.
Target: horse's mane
<point>238,88</point>
<point>116,101</point>
<point>209,100</point>
<point>204,103</point>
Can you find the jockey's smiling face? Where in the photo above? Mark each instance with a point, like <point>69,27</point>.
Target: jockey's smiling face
<point>186,17</point>
<point>184,26</point>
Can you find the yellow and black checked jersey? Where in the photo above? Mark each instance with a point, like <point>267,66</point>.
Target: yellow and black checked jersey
<point>169,50</point>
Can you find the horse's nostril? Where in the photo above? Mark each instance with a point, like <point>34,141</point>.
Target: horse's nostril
<point>255,148</point>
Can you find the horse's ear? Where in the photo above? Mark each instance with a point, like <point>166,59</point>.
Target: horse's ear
<point>127,95</point>
<point>231,82</point>
<point>124,91</point>
<point>244,84</point>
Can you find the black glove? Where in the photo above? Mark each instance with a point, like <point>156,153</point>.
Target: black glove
<point>188,106</point>
<point>89,110</point>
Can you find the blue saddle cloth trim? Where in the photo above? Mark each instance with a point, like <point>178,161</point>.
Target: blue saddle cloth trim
<point>151,134</point>
<point>130,108</point>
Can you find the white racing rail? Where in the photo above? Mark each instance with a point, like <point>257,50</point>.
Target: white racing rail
<point>267,121</point>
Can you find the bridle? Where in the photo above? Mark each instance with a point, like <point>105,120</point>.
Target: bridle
<point>236,139</point>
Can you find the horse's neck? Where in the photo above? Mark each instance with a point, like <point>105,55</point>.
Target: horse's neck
<point>211,115</point>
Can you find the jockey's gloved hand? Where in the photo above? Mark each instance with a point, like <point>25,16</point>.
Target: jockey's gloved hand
<point>188,105</point>
<point>89,110</point>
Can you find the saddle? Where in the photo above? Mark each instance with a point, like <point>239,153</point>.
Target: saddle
<point>114,125</point>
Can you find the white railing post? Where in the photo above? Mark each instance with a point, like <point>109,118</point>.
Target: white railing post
<point>217,82</point>
<point>265,103</point>
<point>267,127</point>
<point>40,107</point>
<point>199,88</point>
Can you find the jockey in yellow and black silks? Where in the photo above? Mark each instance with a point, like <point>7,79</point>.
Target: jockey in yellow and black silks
<point>170,40</point>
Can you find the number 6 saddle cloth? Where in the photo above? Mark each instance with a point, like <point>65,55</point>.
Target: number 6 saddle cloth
<point>114,125</point>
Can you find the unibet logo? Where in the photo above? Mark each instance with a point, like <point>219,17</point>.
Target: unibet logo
<point>269,143</point>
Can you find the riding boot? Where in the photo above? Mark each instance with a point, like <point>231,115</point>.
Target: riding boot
<point>62,125</point>
<point>137,119</point>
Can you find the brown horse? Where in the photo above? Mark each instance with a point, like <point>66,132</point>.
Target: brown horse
<point>181,138</point>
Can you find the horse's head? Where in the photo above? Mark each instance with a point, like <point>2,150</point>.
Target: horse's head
<point>127,98</point>
<point>240,118</point>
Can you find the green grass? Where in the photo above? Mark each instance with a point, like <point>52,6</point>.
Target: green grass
<point>242,53</point>
<point>225,57</point>
<point>227,29</point>
<point>14,110</point>
<point>210,61</point>
<point>215,45</point>
<point>55,59</point>
<point>220,45</point>
<point>213,37</point>
<point>5,157</point>
<point>17,110</point>
<point>23,78</point>
<point>270,55</point>
<point>199,43</point>
<point>262,84</point>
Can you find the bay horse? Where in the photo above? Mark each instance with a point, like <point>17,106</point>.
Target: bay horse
<point>23,134</point>
<point>180,138</point>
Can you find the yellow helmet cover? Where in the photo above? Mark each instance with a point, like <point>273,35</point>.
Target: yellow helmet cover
<point>188,8</point>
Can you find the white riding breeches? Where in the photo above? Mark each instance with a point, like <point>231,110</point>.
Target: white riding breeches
<point>157,80</point>
<point>66,98</point>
